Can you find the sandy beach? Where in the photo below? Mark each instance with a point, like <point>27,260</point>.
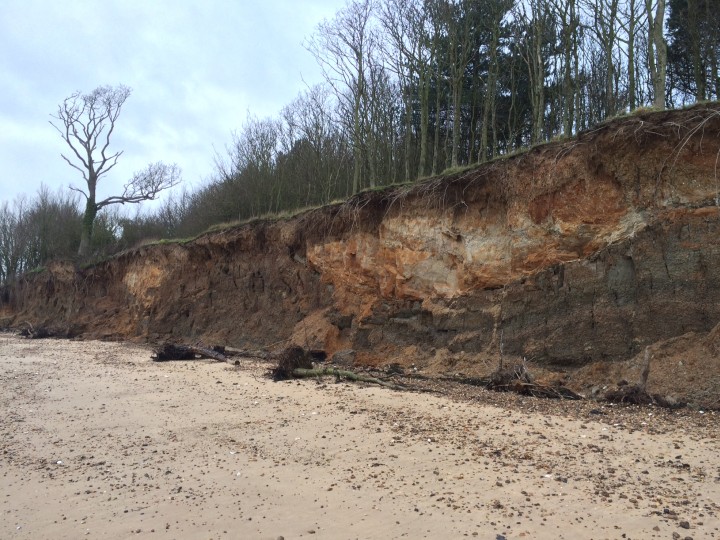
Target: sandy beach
<point>98,441</point>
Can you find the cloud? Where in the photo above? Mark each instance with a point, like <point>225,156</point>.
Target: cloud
<point>196,69</point>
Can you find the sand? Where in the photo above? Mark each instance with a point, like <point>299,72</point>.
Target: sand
<point>98,441</point>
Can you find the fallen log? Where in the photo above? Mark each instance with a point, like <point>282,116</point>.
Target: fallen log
<point>212,353</point>
<point>296,362</point>
<point>170,351</point>
<point>341,374</point>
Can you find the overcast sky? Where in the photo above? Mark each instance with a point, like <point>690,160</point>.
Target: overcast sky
<point>195,68</point>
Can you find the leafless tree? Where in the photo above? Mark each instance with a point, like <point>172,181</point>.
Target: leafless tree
<point>86,123</point>
<point>344,48</point>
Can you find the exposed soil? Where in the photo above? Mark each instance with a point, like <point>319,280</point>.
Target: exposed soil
<point>98,441</point>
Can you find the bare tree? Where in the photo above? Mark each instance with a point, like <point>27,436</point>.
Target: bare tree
<point>344,48</point>
<point>86,123</point>
<point>461,43</point>
<point>12,239</point>
<point>604,29</point>
<point>497,12</point>
<point>407,49</point>
<point>533,18</point>
<point>315,147</point>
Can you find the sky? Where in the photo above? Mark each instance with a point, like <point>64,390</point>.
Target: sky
<point>196,70</point>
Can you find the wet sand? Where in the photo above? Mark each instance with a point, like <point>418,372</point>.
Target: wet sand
<point>98,441</point>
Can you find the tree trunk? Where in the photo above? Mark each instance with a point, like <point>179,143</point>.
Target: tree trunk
<point>697,60</point>
<point>569,40</point>
<point>408,132</point>
<point>357,149</point>
<point>657,51</point>
<point>424,120</point>
<point>536,71</point>
<point>611,102</point>
<point>87,227</point>
<point>714,47</point>
<point>436,140</point>
<point>632,91</point>
<point>457,123</point>
<point>489,104</point>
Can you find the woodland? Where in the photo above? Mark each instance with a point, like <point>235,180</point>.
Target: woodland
<point>412,89</point>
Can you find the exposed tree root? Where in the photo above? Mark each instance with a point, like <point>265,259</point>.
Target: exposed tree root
<point>289,360</point>
<point>537,390</point>
<point>518,379</point>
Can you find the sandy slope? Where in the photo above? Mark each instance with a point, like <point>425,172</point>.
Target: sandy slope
<point>97,441</point>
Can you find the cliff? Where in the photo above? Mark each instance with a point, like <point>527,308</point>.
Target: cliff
<point>570,254</point>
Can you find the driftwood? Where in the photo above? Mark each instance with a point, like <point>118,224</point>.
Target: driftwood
<point>519,380</point>
<point>341,374</point>
<point>296,362</point>
<point>253,353</point>
<point>170,351</point>
<point>536,390</point>
<point>505,376</point>
<point>36,333</point>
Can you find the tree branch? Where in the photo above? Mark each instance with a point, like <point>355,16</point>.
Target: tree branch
<point>146,185</point>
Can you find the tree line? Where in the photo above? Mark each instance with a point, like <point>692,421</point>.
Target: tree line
<point>415,87</point>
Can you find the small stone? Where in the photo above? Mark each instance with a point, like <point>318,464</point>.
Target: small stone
<point>684,524</point>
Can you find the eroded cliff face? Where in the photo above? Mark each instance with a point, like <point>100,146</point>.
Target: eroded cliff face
<point>570,253</point>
